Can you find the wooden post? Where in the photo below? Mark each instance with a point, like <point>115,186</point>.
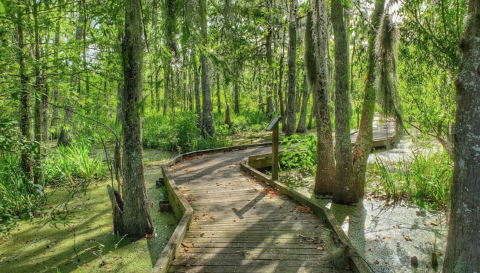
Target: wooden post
<point>273,126</point>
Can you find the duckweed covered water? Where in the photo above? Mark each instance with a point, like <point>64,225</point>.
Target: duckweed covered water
<point>38,246</point>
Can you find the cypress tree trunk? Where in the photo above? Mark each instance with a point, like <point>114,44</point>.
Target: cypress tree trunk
<point>280,82</point>
<point>236,94</point>
<point>363,144</point>
<point>219,104</point>
<point>325,176</point>
<point>66,136</point>
<point>343,192</point>
<point>302,122</point>
<point>135,216</point>
<point>207,99</point>
<point>54,121</point>
<point>311,75</point>
<point>166,88</point>
<point>38,177</point>
<point>198,109</point>
<point>268,47</point>
<point>292,55</point>
<point>462,253</point>
<point>24,108</point>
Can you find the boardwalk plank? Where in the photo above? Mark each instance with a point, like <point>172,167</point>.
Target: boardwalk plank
<point>242,225</point>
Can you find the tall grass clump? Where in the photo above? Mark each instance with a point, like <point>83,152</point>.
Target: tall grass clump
<point>424,178</point>
<point>74,166</point>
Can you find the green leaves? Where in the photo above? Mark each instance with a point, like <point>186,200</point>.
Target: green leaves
<point>2,9</point>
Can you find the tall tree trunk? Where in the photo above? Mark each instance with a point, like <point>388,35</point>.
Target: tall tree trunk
<point>462,253</point>
<point>24,108</point>
<point>236,93</point>
<point>310,72</point>
<point>280,87</point>
<point>363,144</point>
<point>45,98</point>
<point>208,123</point>
<point>292,55</point>
<point>302,122</point>
<point>268,46</point>
<point>343,192</point>
<point>166,87</point>
<point>325,176</point>
<point>198,107</point>
<point>38,177</point>
<point>153,65</point>
<point>219,102</point>
<point>66,135</point>
<point>54,122</point>
<point>135,216</point>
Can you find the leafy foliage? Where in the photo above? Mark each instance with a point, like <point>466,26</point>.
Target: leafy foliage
<point>20,198</point>
<point>300,153</point>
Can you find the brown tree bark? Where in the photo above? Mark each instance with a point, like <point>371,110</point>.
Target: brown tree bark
<point>208,123</point>
<point>363,144</point>
<point>268,47</point>
<point>24,108</point>
<point>292,55</point>
<point>344,190</point>
<point>325,176</point>
<point>311,75</point>
<point>135,215</point>
<point>198,107</point>
<point>39,90</point>
<point>463,253</point>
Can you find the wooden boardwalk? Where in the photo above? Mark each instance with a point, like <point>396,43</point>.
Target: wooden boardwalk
<point>241,225</point>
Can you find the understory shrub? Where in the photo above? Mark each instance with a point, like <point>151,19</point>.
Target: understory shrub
<point>20,198</point>
<point>300,153</point>
<point>181,134</point>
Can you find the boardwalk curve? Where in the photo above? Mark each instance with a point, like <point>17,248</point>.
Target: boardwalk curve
<point>242,225</point>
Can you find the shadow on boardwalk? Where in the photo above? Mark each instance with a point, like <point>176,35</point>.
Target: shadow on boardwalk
<point>241,225</point>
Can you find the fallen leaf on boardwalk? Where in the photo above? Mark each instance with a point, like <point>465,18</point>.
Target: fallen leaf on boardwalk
<point>186,249</point>
<point>321,248</point>
<point>201,235</point>
<point>187,169</point>
<point>234,220</point>
<point>213,246</point>
<point>212,217</point>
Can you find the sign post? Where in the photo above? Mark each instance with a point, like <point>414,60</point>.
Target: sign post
<point>273,126</point>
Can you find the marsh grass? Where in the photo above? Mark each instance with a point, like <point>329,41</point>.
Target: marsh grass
<point>424,178</point>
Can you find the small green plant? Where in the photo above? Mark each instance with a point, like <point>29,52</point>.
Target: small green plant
<point>300,153</point>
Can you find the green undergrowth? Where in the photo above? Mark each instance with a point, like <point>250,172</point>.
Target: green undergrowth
<point>424,178</point>
<point>51,243</point>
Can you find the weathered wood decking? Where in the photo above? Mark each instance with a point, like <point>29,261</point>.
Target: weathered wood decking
<point>241,225</point>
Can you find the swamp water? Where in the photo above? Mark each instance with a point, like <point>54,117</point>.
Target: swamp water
<point>387,234</point>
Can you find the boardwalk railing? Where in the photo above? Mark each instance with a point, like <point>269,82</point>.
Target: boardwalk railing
<point>357,263</point>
